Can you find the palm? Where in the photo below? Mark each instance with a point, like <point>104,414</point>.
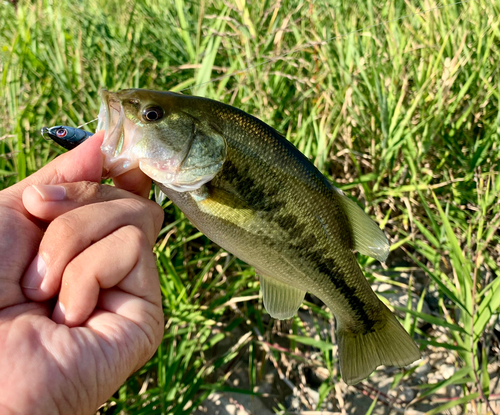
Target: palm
<point>53,353</point>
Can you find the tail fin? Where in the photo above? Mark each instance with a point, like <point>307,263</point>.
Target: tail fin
<point>361,353</point>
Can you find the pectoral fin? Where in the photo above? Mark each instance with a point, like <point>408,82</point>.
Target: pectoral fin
<point>369,239</point>
<point>281,301</point>
<point>159,195</point>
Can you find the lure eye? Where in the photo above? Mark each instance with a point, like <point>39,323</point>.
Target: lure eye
<point>61,133</point>
<point>152,113</point>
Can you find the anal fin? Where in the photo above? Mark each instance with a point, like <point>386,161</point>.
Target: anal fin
<point>280,300</point>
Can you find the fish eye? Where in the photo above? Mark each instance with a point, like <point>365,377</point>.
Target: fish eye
<point>61,133</point>
<point>152,113</point>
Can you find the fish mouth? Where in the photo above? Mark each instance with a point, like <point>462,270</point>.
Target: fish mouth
<point>111,117</point>
<point>120,136</point>
<point>173,176</point>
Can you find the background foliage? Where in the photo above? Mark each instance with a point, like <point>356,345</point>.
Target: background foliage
<point>395,101</point>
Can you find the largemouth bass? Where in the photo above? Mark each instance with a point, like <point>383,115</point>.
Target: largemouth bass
<point>249,190</point>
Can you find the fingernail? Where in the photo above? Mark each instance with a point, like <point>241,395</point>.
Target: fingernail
<point>59,313</point>
<point>50,193</point>
<point>34,275</point>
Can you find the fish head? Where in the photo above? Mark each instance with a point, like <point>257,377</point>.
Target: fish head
<point>161,134</point>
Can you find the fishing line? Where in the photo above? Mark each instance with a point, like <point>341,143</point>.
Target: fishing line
<point>80,126</point>
<point>321,42</point>
<point>46,130</point>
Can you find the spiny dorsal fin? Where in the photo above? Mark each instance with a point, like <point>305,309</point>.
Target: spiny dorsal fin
<point>369,239</point>
<point>281,301</point>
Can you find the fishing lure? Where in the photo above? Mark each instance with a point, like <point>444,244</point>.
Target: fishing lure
<point>67,137</point>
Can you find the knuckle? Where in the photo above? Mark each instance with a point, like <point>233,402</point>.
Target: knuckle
<point>132,235</point>
<point>134,204</point>
<point>59,176</point>
<point>151,213</point>
<point>64,226</point>
<point>89,191</point>
<point>157,217</point>
<point>74,270</point>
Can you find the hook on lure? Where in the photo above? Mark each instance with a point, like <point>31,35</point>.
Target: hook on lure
<point>67,137</point>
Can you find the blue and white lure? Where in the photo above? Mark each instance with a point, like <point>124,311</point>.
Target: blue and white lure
<point>67,137</point>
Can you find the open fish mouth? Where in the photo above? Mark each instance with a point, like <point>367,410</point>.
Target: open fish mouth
<point>120,137</point>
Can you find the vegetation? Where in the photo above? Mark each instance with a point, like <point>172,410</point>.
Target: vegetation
<point>397,102</point>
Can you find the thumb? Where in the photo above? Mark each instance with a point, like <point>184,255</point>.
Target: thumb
<point>82,163</point>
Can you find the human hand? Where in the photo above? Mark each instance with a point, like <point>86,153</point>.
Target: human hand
<point>92,250</point>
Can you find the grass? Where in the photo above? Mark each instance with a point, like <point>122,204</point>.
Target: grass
<point>398,107</point>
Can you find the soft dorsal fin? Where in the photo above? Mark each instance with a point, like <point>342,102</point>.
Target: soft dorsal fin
<point>369,239</point>
<point>281,301</point>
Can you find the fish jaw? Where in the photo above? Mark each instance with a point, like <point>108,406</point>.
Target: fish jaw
<point>175,178</point>
<point>120,137</point>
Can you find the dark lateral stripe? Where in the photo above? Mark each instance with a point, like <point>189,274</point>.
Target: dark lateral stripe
<point>329,268</point>
<point>255,194</point>
<point>265,200</point>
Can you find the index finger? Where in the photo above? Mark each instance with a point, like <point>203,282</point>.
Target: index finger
<point>134,181</point>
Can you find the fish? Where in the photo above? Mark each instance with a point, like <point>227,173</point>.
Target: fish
<point>249,190</point>
<point>67,137</point>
